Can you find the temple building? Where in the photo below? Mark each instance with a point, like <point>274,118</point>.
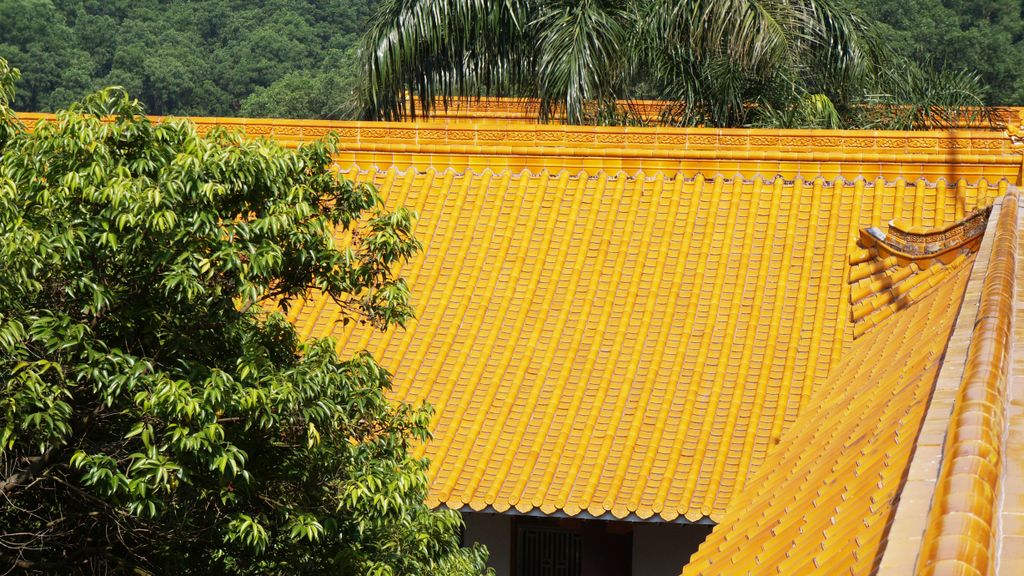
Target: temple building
<point>656,351</point>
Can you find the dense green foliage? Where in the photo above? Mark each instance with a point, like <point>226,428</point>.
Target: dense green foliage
<point>207,57</point>
<point>986,36</point>
<point>297,58</point>
<point>155,416</point>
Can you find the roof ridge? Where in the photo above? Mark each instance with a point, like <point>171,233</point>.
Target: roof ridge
<point>963,507</point>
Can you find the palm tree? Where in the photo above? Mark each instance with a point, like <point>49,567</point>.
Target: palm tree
<point>713,57</point>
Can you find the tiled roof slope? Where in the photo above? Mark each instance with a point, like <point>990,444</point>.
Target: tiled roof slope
<point>911,465</point>
<point>824,496</point>
<point>618,345</point>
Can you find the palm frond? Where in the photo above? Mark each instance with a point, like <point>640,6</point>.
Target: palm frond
<point>721,62</point>
<point>580,57</point>
<point>754,34</point>
<point>436,49</point>
<point>809,111</point>
<point>841,51</point>
<point>923,98</point>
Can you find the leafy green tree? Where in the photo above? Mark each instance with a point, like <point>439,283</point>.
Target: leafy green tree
<point>296,58</point>
<point>155,415</point>
<point>9,125</point>
<point>305,94</point>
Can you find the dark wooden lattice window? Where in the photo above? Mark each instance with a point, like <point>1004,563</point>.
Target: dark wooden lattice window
<point>548,551</point>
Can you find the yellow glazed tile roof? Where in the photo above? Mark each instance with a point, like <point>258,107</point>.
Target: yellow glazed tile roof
<point>622,345</point>
<point>1010,523</point>
<point>910,516</point>
<point>824,496</point>
<point>911,463</point>
<point>961,536</point>
<point>894,268</point>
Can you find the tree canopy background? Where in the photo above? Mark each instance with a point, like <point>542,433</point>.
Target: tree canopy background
<point>209,57</point>
<point>986,36</point>
<point>297,58</point>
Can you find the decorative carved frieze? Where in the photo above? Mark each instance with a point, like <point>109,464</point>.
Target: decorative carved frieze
<point>891,269</point>
<point>909,243</point>
<point>1015,130</point>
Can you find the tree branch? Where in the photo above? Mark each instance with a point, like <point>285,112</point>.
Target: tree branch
<point>36,466</point>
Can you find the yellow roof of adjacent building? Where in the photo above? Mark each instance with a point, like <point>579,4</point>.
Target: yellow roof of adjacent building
<point>653,112</point>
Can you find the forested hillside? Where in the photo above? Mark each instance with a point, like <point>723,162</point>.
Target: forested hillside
<point>986,36</point>
<point>207,57</point>
<point>297,57</point>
